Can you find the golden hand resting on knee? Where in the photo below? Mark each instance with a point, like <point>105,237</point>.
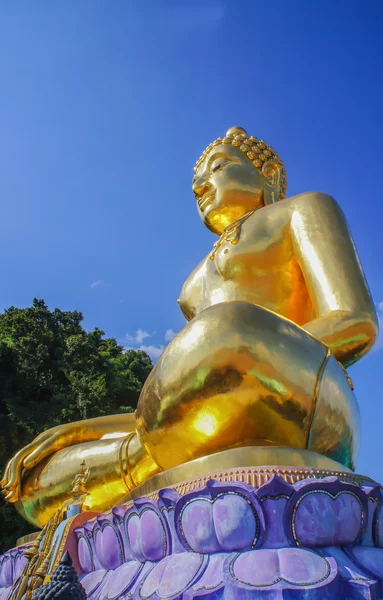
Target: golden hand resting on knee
<point>274,311</point>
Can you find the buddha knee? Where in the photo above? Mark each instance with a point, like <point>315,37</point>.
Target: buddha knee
<point>335,430</point>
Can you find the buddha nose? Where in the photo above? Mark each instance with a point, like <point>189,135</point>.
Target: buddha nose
<point>200,186</point>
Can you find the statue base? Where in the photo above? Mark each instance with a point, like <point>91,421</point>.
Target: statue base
<point>267,533</point>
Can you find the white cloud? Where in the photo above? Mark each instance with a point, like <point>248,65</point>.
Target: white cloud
<point>138,337</point>
<point>153,351</point>
<point>137,342</point>
<point>169,335</point>
<point>96,283</point>
<point>141,335</point>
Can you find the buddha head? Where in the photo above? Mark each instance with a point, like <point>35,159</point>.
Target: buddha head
<point>235,175</point>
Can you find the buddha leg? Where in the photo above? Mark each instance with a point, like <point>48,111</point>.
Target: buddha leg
<point>239,375</point>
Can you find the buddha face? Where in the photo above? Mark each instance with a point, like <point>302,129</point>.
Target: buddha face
<point>227,186</point>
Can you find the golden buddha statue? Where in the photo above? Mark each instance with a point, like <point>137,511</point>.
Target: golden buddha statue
<point>277,311</point>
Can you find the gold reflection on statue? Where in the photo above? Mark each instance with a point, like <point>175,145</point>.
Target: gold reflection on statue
<point>277,311</point>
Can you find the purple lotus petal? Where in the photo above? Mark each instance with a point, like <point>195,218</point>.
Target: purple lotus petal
<point>91,581</point>
<point>108,547</point>
<point>292,566</point>
<point>323,520</point>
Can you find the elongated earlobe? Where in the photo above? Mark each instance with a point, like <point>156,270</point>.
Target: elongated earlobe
<point>269,196</point>
<point>272,172</point>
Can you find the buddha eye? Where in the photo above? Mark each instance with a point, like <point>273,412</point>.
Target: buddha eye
<point>218,165</point>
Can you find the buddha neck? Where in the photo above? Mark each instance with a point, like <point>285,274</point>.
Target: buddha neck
<point>232,233</point>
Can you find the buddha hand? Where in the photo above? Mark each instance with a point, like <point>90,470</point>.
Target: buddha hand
<point>42,446</point>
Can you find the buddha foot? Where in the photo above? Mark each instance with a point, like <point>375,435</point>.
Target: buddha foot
<point>287,538</point>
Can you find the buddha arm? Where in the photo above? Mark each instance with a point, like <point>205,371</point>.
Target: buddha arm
<point>345,318</point>
<point>78,432</point>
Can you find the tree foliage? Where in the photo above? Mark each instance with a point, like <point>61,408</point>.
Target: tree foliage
<point>53,371</point>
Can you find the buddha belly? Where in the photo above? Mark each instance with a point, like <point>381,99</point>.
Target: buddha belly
<point>240,375</point>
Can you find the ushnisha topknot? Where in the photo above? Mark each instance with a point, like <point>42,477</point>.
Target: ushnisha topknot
<point>257,151</point>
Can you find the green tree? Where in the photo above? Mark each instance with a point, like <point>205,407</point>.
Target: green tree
<point>52,371</point>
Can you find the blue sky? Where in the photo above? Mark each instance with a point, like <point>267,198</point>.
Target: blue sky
<point>106,105</point>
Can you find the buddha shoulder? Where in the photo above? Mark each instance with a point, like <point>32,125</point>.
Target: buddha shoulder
<point>312,202</point>
<point>307,210</point>
<point>307,200</point>
<point>277,217</point>
<point>316,214</point>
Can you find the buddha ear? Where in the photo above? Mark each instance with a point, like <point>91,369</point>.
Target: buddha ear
<point>272,171</point>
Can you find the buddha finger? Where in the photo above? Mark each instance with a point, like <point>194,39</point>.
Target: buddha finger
<point>43,450</point>
<point>10,485</point>
<point>14,468</point>
<point>7,474</point>
<point>14,478</point>
<point>11,496</point>
<point>48,433</point>
<point>3,483</point>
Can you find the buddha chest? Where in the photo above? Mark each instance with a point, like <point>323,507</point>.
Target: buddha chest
<point>253,261</point>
